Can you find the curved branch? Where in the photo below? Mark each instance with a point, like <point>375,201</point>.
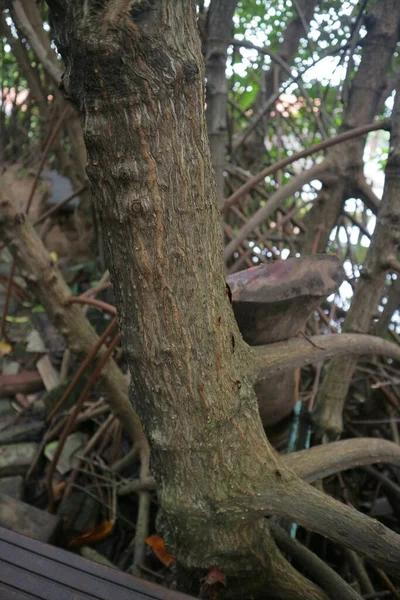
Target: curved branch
<point>342,137</point>
<point>100,304</point>
<point>262,112</point>
<point>274,202</point>
<point>367,194</point>
<point>380,257</point>
<point>319,571</point>
<point>325,460</point>
<point>290,497</point>
<point>298,352</point>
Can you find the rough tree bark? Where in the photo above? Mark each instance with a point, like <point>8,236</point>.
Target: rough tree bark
<point>366,91</point>
<point>381,258</point>
<point>134,70</point>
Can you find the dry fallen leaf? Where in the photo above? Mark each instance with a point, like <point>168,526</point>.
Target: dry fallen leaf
<point>156,543</point>
<point>97,534</point>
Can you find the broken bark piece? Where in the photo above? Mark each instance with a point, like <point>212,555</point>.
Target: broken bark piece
<point>27,520</point>
<point>15,459</point>
<point>12,486</point>
<point>272,302</point>
<point>49,375</point>
<point>91,554</point>
<point>9,367</point>
<point>34,343</point>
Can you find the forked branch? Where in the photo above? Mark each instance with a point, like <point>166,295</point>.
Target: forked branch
<point>290,497</point>
<point>320,572</point>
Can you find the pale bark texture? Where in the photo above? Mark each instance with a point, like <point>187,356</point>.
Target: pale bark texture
<point>370,288</point>
<point>135,72</point>
<point>392,304</point>
<point>367,88</point>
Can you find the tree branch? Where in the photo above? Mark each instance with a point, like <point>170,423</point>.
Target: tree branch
<point>367,194</point>
<point>219,27</point>
<point>327,459</point>
<point>319,571</point>
<point>298,352</point>
<point>273,79</point>
<point>292,498</point>
<point>342,137</point>
<point>275,57</point>
<point>360,109</point>
<point>20,53</point>
<point>52,69</point>
<point>295,184</point>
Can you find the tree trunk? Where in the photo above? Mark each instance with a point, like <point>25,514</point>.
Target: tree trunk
<point>137,77</point>
<point>135,71</point>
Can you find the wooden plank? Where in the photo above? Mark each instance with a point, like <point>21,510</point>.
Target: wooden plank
<point>10,593</point>
<point>32,570</point>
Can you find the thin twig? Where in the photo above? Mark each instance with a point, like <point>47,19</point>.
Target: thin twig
<point>71,419</point>
<point>59,205</point>
<point>82,369</point>
<point>94,302</point>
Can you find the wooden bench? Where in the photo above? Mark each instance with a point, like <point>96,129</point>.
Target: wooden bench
<point>32,570</point>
